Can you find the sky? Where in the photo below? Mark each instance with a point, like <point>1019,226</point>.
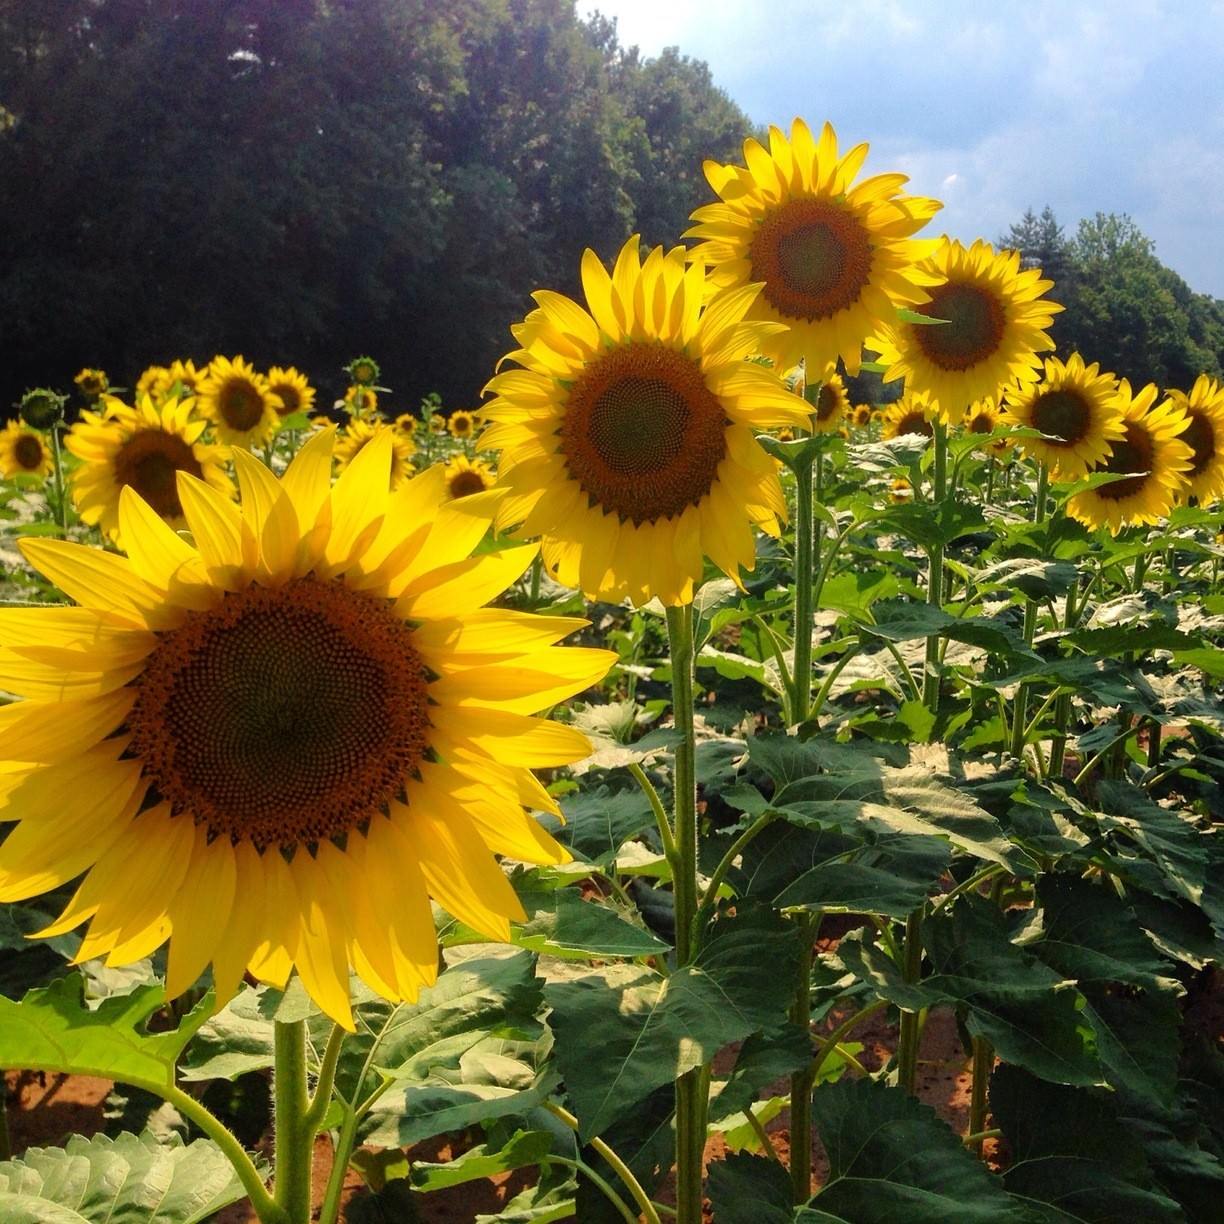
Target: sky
<point>992,106</point>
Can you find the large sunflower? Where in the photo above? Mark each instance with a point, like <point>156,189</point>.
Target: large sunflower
<point>1153,448</point>
<point>23,452</point>
<point>994,326</point>
<point>1076,408</point>
<point>836,260</point>
<point>1205,437</point>
<point>236,398</point>
<point>627,439</point>
<point>358,434</point>
<point>832,404</point>
<point>911,414</point>
<point>272,747</point>
<point>145,448</point>
<point>291,390</point>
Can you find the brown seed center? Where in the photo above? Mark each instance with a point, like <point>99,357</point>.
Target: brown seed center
<point>464,483</point>
<point>28,452</point>
<point>1201,438</point>
<point>1134,453</point>
<point>1065,416</point>
<point>290,398</point>
<point>148,461</point>
<point>974,327</point>
<point>240,404</point>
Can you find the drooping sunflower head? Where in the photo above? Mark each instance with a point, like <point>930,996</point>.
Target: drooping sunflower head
<point>154,381</point>
<point>142,448</point>
<point>862,415</point>
<point>1076,407</point>
<point>184,378</point>
<point>23,452</point>
<point>1205,436</point>
<point>913,413</point>
<point>461,424</point>
<point>305,723</point>
<point>466,476</point>
<point>41,408</point>
<point>1153,449</point>
<point>407,423</point>
<point>835,258</point>
<point>832,404</point>
<point>91,382</point>
<point>627,438</point>
<point>995,319</point>
<point>291,390</point>
<point>359,433</point>
<point>235,397</point>
<point>363,371</point>
<point>360,400</point>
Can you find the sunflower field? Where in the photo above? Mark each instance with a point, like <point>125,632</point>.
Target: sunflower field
<point>666,791</point>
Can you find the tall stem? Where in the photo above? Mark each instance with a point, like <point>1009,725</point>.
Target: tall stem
<point>802,1081</point>
<point>690,1105</point>
<point>1030,624</point>
<point>805,564</point>
<point>939,490</point>
<point>911,1021</point>
<point>294,1135</point>
<point>983,1064</point>
<point>61,493</point>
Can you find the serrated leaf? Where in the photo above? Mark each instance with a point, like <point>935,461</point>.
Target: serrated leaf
<point>898,621</point>
<point>131,1179</point>
<point>750,1190</point>
<point>598,823</point>
<point>522,1148</point>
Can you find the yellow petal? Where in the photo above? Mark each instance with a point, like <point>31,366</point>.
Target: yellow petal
<point>224,542</point>
<point>98,580</point>
<point>464,586</point>
<point>207,893</point>
<point>51,731</point>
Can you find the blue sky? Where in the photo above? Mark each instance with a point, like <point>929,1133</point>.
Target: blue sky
<point>991,107</point>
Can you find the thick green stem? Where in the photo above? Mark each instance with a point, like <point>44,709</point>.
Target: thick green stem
<point>802,1081</point>
<point>690,1105</point>
<point>342,1153</point>
<point>939,490</point>
<point>911,1021</point>
<point>537,568</point>
<point>805,561</point>
<point>1030,625</point>
<point>294,1136</point>
<point>983,1064</point>
<point>61,492</point>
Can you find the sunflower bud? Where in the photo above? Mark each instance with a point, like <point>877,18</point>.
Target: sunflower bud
<point>363,370</point>
<point>41,408</point>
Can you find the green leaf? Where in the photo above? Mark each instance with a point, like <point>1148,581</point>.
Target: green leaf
<point>523,1148</point>
<point>898,621</point>
<point>854,591</point>
<point>598,823</point>
<point>131,1179</point>
<point>649,1029</point>
<point>764,1058</point>
<point>892,1159</point>
<point>1032,577</point>
<point>750,1190</point>
<point>929,525</point>
<point>51,1029</point>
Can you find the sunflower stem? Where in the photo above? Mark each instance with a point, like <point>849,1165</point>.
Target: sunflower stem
<point>690,1103</point>
<point>802,1081</point>
<point>911,1021</point>
<point>983,1064</point>
<point>806,543</point>
<point>939,490</point>
<point>1030,624</point>
<point>61,494</point>
<point>294,1132</point>
<point>537,568</point>
<point>990,477</point>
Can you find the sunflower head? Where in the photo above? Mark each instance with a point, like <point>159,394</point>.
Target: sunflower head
<point>305,721</point>
<point>835,257</point>
<point>984,417</point>
<point>360,401</point>
<point>830,403</point>
<point>407,423</point>
<point>291,391</point>
<point>465,476</point>
<point>1076,407</point>
<point>360,433</point>
<point>862,415</point>
<point>994,320</point>
<point>1204,406</point>
<point>900,490</point>
<point>437,423</point>
<point>23,452</point>
<point>363,371</point>
<point>627,437</point>
<point>462,425</point>
<point>913,413</point>
<point>91,382</point>
<point>154,381</point>
<point>1153,456</point>
<point>142,448</point>
<point>183,378</point>
<point>236,399</point>
<point>41,408</point>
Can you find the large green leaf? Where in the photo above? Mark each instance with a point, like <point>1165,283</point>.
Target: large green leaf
<point>892,1159</point>
<point>131,1179</point>
<point>750,1190</point>
<point>51,1029</point>
<point>649,1029</point>
<point>522,1148</point>
<point>905,622</point>
<point>598,823</point>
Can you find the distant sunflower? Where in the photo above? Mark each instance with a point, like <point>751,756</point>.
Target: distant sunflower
<point>628,438</point>
<point>291,390</point>
<point>363,371</point>
<point>185,374</point>
<point>466,476</point>
<point>1076,407</point>
<point>1205,437</point>
<point>407,422</point>
<point>984,417</point>
<point>832,404</point>
<point>360,400</point>
<point>142,448</point>
<point>1154,449</point>
<point>237,401</point>
<point>836,259</point>
<point>995,326</point>
<point>91,382</point>
<point>154,382</point>
<point>911,414</point>
<point>358,434</point>
<point>862,415</point>
<point>437,423</point>
<point>462,425</point>
<point>274,746</point>
<point>23,452</point>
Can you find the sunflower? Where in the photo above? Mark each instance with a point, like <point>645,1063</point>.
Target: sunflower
<point>1205,437</point>
<point>1154,449</point>
<point>23,452</point>
<point>291,390</point>
<point>306,723</point>
<point>862,415</point>
<point>995,319</point>
<point>984,417</point>
<point>358,434</point>
<point>145,448</point>
<point>629,435</point>
<point>437,423</point>
<point>462,425</point>
<point>407,423</point>
<point>237,401</point>
<point>1076,408</point>
<point>911,414</point>
<point>466,476</point>
<point>41,408</point>
<point>900,490</point>
<point>185,375</point>
<point>832,404</point>
<point>91,382</point>
<point>835,259</point>
<point>360,400</point>
<point>363,371</point>
<point>154,381</point>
